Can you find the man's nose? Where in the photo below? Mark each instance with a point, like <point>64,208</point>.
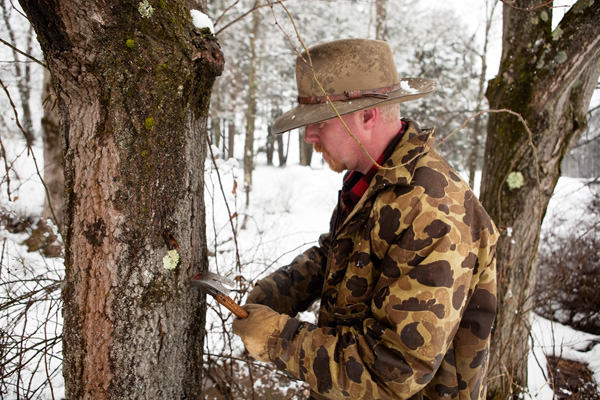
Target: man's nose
<point>311,135</point>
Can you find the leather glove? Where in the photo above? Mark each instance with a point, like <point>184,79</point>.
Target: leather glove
<point>255,331</point>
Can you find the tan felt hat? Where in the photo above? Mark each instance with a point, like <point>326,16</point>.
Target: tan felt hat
<point>356,74</point>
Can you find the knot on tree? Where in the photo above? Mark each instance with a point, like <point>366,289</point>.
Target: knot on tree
<point>209,52</point>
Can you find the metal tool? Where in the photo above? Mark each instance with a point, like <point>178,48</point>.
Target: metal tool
<point>216,286</point>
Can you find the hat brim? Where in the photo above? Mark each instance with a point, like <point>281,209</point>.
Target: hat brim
<point>306,114</point>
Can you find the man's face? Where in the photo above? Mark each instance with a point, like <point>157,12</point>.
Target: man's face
<point>331,138</point>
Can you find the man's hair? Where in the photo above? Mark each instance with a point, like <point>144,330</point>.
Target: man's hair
<point>390,112</point>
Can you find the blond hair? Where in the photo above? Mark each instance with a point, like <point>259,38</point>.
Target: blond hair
<point>390,112</point>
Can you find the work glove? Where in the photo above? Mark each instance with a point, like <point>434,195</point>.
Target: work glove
<point>262,323</point>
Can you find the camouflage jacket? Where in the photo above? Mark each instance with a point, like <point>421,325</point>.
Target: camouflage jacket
<point>407,285</point>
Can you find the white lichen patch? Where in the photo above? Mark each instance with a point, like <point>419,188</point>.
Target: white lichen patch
<point>557,33</point>
<point>561,57</point>
<point>145,9</point>
<point>171,260</point>
<point>515,180</point>
<point>544,16</point>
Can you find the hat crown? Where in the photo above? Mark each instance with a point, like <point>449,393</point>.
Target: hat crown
<point>346,65</point>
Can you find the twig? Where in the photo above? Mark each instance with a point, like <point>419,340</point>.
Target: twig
<point>6,168</point>
<point>244,15</point>
<point>46,362</point>
<point>545,4</point>
<point>220,17</point>
<point>37,169</point>
<point>212,156</point>
<point>23,53</point>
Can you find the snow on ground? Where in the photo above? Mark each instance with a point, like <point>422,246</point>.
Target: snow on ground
<point>553,339</point>
<point>289,208</point>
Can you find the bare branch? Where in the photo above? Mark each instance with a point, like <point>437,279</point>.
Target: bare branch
<point>30,150</point>
<point>244,15</point>
<point>32,58</point>
<point>237,253</point>
<point>545,4</point>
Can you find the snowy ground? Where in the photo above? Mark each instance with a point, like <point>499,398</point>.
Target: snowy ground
<point>289,208</point>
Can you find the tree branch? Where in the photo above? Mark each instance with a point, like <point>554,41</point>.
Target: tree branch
<point>23,53</point>
<point>577,39</point>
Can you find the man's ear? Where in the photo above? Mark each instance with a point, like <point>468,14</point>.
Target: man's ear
<point>370,117</point>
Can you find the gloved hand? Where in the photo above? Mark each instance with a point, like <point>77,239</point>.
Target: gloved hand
<point>255,331</point>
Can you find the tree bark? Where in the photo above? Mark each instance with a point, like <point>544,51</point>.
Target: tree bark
<point>133,87</point>
<point>548,78</point>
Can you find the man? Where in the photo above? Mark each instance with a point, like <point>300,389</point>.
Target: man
<point>406,274</point>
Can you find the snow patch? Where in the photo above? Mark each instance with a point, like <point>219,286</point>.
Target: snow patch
<point>404,85</point>
<point>202,20</point>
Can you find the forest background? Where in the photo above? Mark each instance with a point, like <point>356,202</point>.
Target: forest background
<point>457,45</point>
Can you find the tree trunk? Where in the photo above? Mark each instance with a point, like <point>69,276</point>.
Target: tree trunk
<point>133,85</point>
<point>251,110</point>
<point>548,78</point>
<point>306,150</point>
<point>475,145</point>
<point>23,75</point>
<point>53,157</point>
<point>216,131</point>
<point>270,145</point>
<point>281,151</point>
<point>231,139</point>
<point>380,20</point>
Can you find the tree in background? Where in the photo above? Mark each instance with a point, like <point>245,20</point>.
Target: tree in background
<point>477,132</point>
<point>251,105</point>
<point>438,50</point>
<point>133,82</point>
<point>546,76</point>
<point>381,20</point>
<point>22,70</point>
<point>54,176</point>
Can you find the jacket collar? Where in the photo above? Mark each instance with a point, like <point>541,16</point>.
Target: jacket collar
<point>414,144</point>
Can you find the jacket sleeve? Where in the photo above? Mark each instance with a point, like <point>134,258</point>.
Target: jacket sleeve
<point>293,288</point>
<point>414,314</point>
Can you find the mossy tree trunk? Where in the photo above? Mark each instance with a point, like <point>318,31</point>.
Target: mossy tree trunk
<point>548,78</point>
<point>133,82</point>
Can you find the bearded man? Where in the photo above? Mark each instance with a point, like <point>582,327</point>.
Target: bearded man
<point>406,274</point>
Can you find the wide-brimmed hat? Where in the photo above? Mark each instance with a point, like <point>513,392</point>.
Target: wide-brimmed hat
<point>356,74</point>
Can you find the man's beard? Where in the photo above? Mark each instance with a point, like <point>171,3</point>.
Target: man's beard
<point>334,164</point>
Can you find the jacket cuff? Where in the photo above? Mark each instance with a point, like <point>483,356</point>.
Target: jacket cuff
<point>284,349</point>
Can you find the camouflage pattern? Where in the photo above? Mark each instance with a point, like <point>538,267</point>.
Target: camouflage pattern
<point>407,285</point>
